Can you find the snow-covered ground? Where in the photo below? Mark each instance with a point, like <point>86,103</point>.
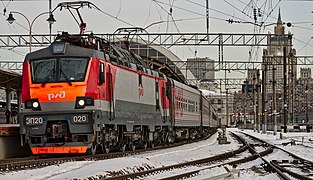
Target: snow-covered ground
<point>159,158</point>
<point>304,151</point>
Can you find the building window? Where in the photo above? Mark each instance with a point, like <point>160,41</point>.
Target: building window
<point>219,101</point>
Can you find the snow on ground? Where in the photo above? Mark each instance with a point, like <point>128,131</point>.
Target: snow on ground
<point>159,158</point>
<point>282,138</point>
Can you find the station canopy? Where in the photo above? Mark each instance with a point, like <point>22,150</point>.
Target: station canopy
<point>162,59</point>
<point>10,79</point>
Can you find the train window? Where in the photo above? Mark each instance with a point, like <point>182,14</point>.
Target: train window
<point>43,70</point>
<point>140,79</point>
<point>68,70</point>
<point>73,69</point>
<point>101,73</point>
<point>157,95</point>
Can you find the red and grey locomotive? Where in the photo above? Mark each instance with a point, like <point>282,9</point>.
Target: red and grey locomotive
<point>79,96</point>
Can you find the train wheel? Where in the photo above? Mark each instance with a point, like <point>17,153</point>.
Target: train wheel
<point>132,147</point>
<point>170,138</point>
<point>123,148</point>
<point>152,144</point>
<point>93,150</point>
<point>105,149</point>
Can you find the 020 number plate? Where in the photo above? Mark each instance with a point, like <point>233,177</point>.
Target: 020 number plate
<point>80,118</point>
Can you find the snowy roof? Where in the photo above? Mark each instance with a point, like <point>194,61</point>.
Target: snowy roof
<point>211,93</point>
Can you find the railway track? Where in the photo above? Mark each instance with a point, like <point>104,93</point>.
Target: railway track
<point>228,164</point>
<point>294,166</point>
<point>193,169</point>
<point>13,164</point>
<point>182,166</point>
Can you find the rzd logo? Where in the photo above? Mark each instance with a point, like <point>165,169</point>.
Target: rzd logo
<point>57,95</point>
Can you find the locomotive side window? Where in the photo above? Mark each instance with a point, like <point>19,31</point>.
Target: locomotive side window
<point>140,79</point>
<point>101,73</point>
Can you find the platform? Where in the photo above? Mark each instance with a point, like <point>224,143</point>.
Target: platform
<point>10,144</point>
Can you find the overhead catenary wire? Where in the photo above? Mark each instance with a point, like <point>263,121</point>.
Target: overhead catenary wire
<point>171,3</point>
<point>117,18</point>
<point>211,9</point>
<point>170,13</point>
<point>119,9</point>
<point>307,43</point>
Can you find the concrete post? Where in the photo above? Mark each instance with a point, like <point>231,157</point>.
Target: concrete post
<point>8,93</point>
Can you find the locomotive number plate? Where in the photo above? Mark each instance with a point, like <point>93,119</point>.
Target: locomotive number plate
<point>80,118</point>
<point>34,120</point>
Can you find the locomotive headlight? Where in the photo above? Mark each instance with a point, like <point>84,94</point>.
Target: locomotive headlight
<point>32,104</point>
<point>35,104</point>
<point>81,102</point>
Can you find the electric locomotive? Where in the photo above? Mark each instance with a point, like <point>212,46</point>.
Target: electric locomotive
<point>83,94</point>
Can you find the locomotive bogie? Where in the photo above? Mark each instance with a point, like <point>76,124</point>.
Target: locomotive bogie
<point>182,133</point>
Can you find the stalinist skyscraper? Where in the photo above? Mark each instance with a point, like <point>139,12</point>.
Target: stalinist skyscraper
<point>279,49</point>
<point>273,56</point>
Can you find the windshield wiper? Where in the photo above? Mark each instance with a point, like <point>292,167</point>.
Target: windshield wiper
<point>66,78</point>
<point>47,78</point>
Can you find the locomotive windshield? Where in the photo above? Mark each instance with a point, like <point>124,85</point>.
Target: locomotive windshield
<point>58,70</point>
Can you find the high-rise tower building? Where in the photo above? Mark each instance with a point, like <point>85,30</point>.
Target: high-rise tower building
<point>273,56</point>
<point>279,58</point>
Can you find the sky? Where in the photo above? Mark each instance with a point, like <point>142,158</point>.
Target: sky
<point>170,156</point>
<point>176,16</point>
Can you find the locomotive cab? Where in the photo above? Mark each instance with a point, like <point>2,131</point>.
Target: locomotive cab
<point>57,99</point>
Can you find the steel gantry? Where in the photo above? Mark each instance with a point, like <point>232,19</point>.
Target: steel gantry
<point>229,65</point>
<point>160,39</point>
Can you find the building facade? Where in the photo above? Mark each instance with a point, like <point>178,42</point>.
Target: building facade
<point>202,68</point>
<point>223,104</point>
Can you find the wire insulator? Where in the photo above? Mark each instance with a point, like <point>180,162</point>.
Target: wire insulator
<point>254,14</point>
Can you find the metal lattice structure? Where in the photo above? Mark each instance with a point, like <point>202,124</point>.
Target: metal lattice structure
<point>159,39</point>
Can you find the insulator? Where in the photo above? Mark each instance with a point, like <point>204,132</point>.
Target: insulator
<point>288,24</point>
<point>259,12</point>
<point>254,14</point>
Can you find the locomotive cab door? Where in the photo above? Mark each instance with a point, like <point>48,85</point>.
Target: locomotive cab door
<point>110,93</point>
<point>101,82</point>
